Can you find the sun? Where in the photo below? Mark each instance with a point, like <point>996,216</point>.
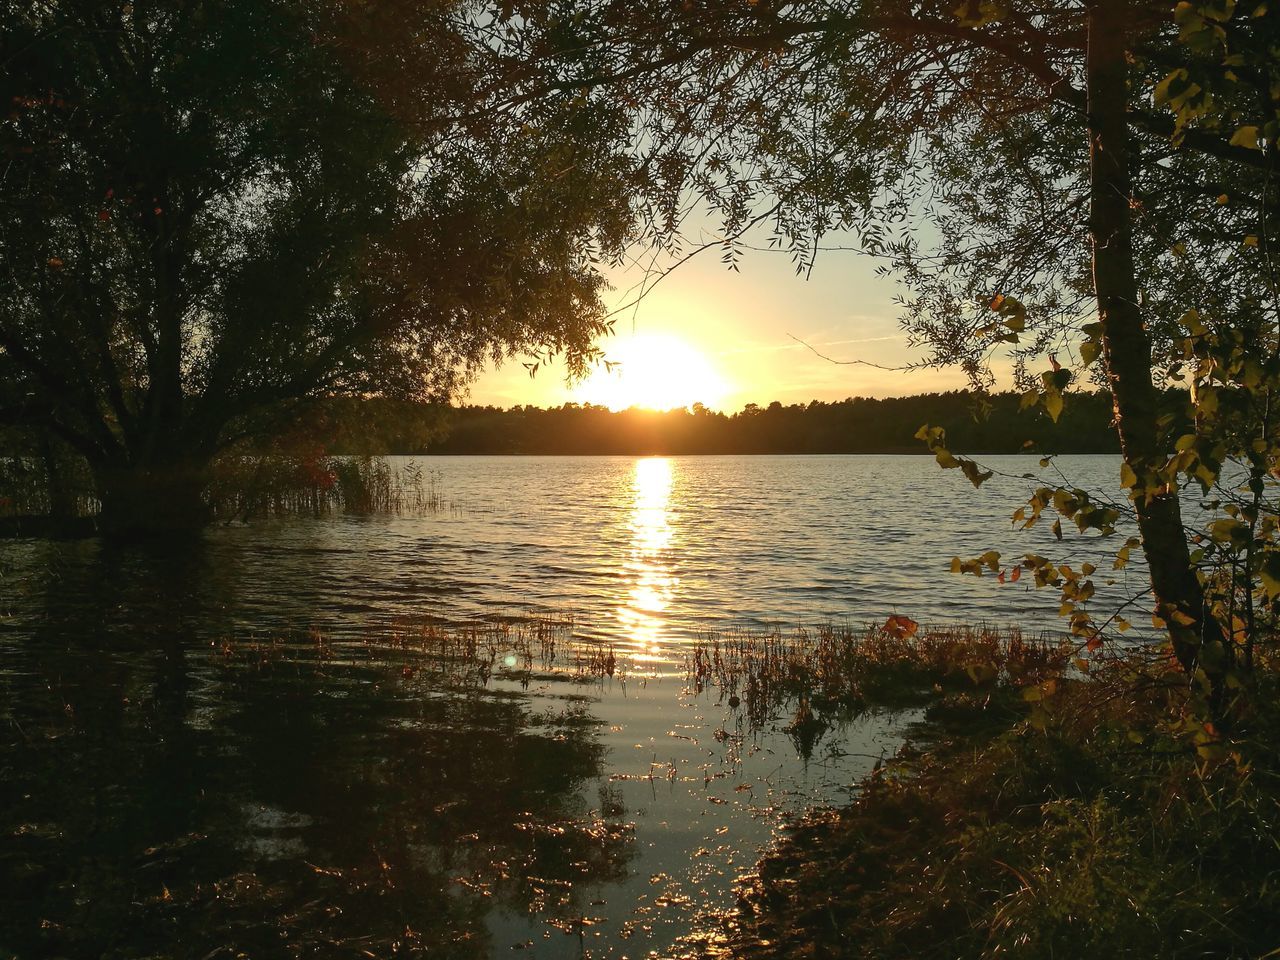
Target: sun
<point>658,371</point>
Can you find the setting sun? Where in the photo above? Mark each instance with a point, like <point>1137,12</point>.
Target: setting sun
<point>658,371</point>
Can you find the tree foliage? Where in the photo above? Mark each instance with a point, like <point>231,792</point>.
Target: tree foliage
<point>853,425</point>
<point>212,211</point>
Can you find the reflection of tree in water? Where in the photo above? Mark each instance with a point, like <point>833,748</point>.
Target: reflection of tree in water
<point>166,798</point>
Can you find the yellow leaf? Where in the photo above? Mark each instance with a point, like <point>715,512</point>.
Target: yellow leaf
<point>1246,137</point>
<point>1053,405</point>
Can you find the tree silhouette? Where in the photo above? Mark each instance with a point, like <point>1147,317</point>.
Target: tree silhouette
<point>211,212</point>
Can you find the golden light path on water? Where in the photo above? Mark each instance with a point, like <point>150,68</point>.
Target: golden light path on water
<point>648,563</point>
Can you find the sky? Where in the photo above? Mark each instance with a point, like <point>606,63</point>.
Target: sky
<point>724,338</point>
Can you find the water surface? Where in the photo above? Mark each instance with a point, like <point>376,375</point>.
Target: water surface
<point>242,747</point>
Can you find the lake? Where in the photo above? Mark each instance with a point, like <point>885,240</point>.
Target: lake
<point>263,744</point>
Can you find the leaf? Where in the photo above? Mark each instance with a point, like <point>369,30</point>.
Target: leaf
<point>900,626</point>
<point>1193,324</point>
<point>1246,137</point>
<point>1053,405</point>
<point>1163,90</point>
<point>977,476</point>
<point>1269,575</point>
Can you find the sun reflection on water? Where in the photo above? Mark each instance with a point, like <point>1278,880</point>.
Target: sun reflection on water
<point>648,564</point>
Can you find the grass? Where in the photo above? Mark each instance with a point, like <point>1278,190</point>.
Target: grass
<point>241,488</point>
<point>838,669</point>
<point>469,654</point>
<point>1040,812</point>
<point>25,488</point>
<point>245,488</point>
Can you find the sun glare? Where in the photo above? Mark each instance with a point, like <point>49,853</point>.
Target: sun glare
<point>658,371</point>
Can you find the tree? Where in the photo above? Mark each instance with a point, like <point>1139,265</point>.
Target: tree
<point>212,212</point>
<point>1093,156</point>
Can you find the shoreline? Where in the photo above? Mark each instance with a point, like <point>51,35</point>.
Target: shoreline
<point>1074,825</point>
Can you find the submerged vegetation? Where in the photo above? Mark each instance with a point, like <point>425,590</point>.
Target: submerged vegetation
<point>469,654</point>
<point>1048,805</point>
<point>245,488</point>
<point>825,673</point>
<point>241,489</point>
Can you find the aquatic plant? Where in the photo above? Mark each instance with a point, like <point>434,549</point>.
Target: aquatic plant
<point>834,667</point>
<point>248,487</point>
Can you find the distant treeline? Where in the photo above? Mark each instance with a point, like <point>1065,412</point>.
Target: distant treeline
<point>855,425</point>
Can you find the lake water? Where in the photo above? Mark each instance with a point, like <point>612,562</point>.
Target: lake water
<point>245,746</point>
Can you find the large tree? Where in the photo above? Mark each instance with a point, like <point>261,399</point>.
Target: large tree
<point>1038,173</point>
<point>214,210</point>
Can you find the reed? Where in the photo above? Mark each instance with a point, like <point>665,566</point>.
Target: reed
<point>515,649</point>
<point>244,488</point>
<point>839,667</point>
<point>38,487</point>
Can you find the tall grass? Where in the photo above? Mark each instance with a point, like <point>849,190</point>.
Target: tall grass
<point>469,654</point>
<point>25,489</point>
<point>246,488</point>
<point>839,666</point>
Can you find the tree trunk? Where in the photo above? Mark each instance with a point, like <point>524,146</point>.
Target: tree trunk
<point>62,505</point>
<point>152,499</point>
<point>1127,346</point>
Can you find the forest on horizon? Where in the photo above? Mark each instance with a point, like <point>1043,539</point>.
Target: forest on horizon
<point>993,424</point>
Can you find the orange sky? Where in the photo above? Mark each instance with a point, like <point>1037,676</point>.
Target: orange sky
<point>736,327</point>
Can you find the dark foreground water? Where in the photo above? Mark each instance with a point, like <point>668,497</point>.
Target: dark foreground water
<point>263,745</point>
